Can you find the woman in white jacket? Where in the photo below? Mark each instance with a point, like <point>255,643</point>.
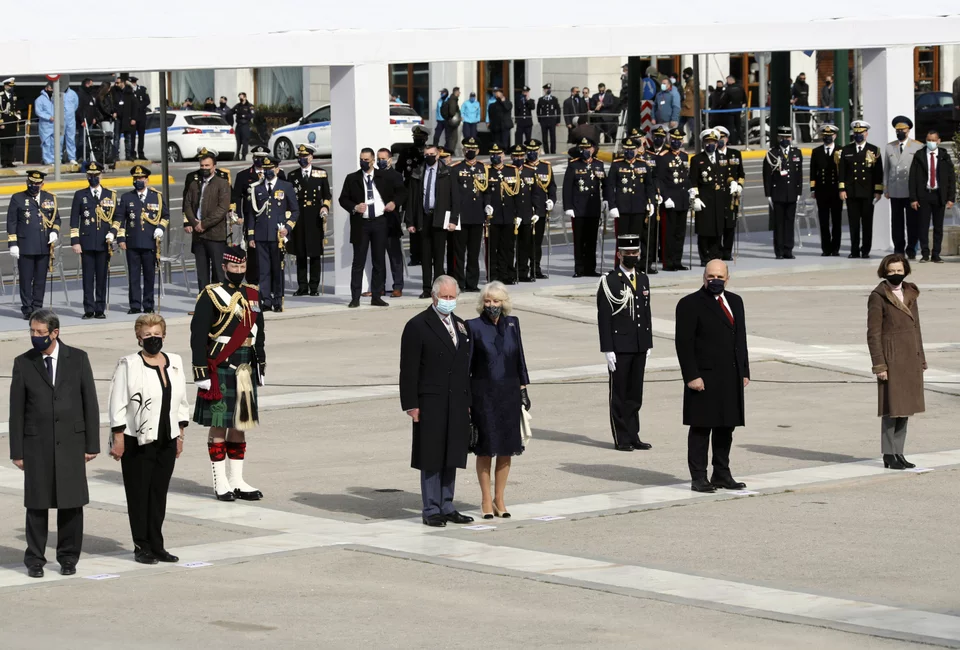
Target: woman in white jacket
<point>148,402</point>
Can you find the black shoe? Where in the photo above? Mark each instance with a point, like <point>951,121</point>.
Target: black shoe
<point>226,496</point>
<point>68,569</point>
<point>592,274</point>
<point>278,308</point>
<point>414,262</point>
<point>891,461</point>
<point>457,518</point>
<point>936,259</point>
<point>99,315</point>
<point>578,275</point>
<point>134,311</point>
<point>652,270</point>
<point>924,259</point>
<point>87,315</point>
<point>425,294</point>
<point>835,254</point>
<point>626,448</point>
<point>143,556</point>
<point>472,289</point>
<point>300,292</point>
<point>163,556</point>
<point>864,256</point>
<point>911,256</point>
<point>701,485</point>
<point>903,461</point>
<point>789,256</point>
<point>255,495</point>
<point>509,282</point>
<point>642,446</point>
<point>36,571</point>
<point>824,254</point>
<point>542,276</point>
<point>779,256</point>
<point>26,317</point>
<point>379,302</point>
<point>853,256</point>
<point>314,292</point>
<point>356,303</point>
<point>680,268</point>
<point>435,521</point>
<point>527,279</point>
<point>726,482</point>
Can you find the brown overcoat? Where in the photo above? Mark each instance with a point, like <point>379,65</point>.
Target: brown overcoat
<point>896,346</point>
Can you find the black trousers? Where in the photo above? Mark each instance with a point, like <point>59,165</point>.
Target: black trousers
<point>626,398</point>
<point>432,244</point>
<point>830,213</point>
<point>253,266</point>
<point>69,536</point>
<point>549,138</point>
<point>674,237</point>
<point>242,132</point>
<point>540,230</point>
<point>128,148</point>
<point>500,252</point>
<point>269,261</point>
<point>414,248</point>
<point>649,231</point>
<point>524,132</point>
<point>141,132</point>
<point>94,266</point>
<point>931,210</point>
<point>372,235</point>
<point>395,255</point>
<point>803,124</point>
<point>726,242</point>
<point>585,244</point>
<point>209,257</point>
<point>7,146</point>
<point>860,215</point>
<point>501,137</point>
<point>450,140</point>
<point>141,262</point>
<point>708,247</point>
<point>470,241</point>
<point>455,256</point>
<point>784,221</point>
<point>698,444</point>
<point>526,255</point>
<point>308,272</point>
<point>33,281</point>
<point>146,478</point>
<point>902,214</point>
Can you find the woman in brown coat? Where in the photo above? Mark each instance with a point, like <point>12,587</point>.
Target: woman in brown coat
<point>896,351</point>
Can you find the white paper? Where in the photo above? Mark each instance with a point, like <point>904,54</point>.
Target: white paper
<point>742,493</point>
<point>549,518</point>
<point>102,576</point>
<point>193,565</point>
<point>919,470</point>
<point>479,527</point>
<point>446,221</point>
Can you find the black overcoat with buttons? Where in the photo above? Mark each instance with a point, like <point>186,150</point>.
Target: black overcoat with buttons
<point>52,426</point>
<point>628,331</point>
<point>435,378</point>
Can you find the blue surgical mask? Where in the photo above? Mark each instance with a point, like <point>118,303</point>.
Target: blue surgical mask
<point>269,174</point>
<point>858,137</point>
<point>663,87</point>
<point>658,140</point>
<point>715,286</point>
<point>33,189</point>
<point>710,148</point>
<point>496,159</point>
<point>517,162</point>
<point>531,156</point>
<point>446,306</point>
<point>94,180</point>
<point>139,184</point>
<point>303,161</point>
<point>629,153</point>
<point>365,165</point>
<point>585,154</point>
<point>40,343</point>
<point>932,146</point>
<point>785,143</point>
<point>382,164</point>
<point>675,144</point>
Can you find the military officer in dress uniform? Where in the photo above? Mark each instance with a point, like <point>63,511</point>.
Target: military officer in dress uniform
<point>632,197</point>
<point>142,222</point>
<point>272,213</point>
<point>824,188</point>
<point>229,363</point>
<point>897,159</point>
<point>91,235</point>
<point>860,171</point>
<point>658,141</point>
<point>33,228</point>
<point>471,177</point>
<point>526,107</point>
<point>9,122</point>
<point>710,197</point>
<point>673,184</point>
<point>314,198</point>
<point>544,196</point>
<point>240,197</point>
<point>518,155</point>
<point>408,160</point>
<point>783,187</point>
<point>731,161</point>
<point>583,186</point>
<point>503,221</point>
<point>548,114</point>
<point>626,340</point>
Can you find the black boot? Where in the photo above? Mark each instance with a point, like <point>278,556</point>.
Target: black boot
<point>903,461</point>
<point>891,461</point>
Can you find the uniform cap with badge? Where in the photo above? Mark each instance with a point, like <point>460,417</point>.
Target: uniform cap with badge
<point>902,123</point>
<point>35,176</point>
<point>204,151</point>
<point>495,149</point>
<point>709,135</point>
<point>677,133</point>
<point>659,130</point>
<point>828,129</point>
<point>269,162</point>
<point>628,243</point>
<point>518,151</point>
<point>470,143</point>
<point>9,81</point>
<point>629,143</point>
<point>305,150</point>
<point>139,171</point>
<point>722,130</point>
<point>94,167</point>
<point>534,145</point>
<point>260,150</point>
<point>784,132</point>
<point>860,126</point>
<point>420,133</point>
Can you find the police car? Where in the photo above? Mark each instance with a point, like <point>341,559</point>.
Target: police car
<point>187,133</point>
<point>314,129</point>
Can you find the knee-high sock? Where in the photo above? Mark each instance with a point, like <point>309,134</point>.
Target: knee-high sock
<point>218,465</point>
<point>236,451</point>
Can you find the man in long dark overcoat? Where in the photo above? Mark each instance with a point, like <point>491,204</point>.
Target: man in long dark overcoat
<point>711,340</point>
<point>435,393</point>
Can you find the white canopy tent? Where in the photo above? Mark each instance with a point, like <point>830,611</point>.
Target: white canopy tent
<point>359,39</point>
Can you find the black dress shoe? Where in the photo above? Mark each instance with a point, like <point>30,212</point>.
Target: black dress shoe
<point>642,446</point>
<point>542,276</point>
<point>853,256</point>
<point>143,556</point>
<point>789,256</point>
<point>163,556</point>
<point>300,292</point>
<point>578,275</point>
<point>527,279</point>
<point>133,311</point>
<point>626,448</point>
<point>701,485</point>
<point>508,282</point>
<point>278,308</point>
<point>864,256</point>
<point>435,521</point>
<point>99,315</point>
<point>835,254</point>
<point>255,495</point>
<point>36,571</point>
<point>936,259</point>
<point>314,293</point>
<point>226,496</point>
<point>652,271</point>
<point>87,315</point>
<point>681,268</point>
<point>903,461</point>
<point>68,569</point>
<point>890,461</point>
<point>353,304</point>
<point>425,294</point>
<point>727,483</point>
<point>911,256</point>
<point>457,518</point>
<point>779,256</point>
<point>824,254</point>
<point>379,302</point>
<point>924,259</point>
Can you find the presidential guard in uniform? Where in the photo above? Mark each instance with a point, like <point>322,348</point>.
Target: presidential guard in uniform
<point>91,235</point>
<point>142,220</point>
<point>229,363</point>
<point>503,222</point>
<point>314,198</point>
<point>583,186</point>
<point>240,199</point>
<point>33,228</point>
<point>9,122</point>
<point>783,187</point>
<point>674,186</point>
<point>272,212</point>
<point>731,162</point>
<point>825,190</point>
<point>632,197</point>
<point>409,160</point>
<point>710,197</point>
<point>897,160</point>
<point>544,195</point>
<point>526,107</point>
<point>860,171</point>
<point>471,178</point>
<point>626,340</point>
<point>548,114</point>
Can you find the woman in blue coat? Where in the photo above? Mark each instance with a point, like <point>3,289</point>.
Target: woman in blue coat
<point>498,381</point>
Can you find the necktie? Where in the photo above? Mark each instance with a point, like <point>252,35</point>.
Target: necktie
<point>450,330</point>
<point>49,362</point>
<point>96,195</point>
<point>933,172</point>
<point>726,312</point>
<point>370,192</point>
<point>901,147</point>
<point>269,188</point>
<point>633,281</point>
<point>428,198</point>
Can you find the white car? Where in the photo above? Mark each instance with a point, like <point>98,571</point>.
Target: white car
<point>314,129</point>
<point>187,132</point>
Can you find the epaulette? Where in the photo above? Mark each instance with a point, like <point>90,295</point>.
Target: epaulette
<point>213,285</point>
<point>618,160</point>
<point>318,173</point>
<point>155,190</point>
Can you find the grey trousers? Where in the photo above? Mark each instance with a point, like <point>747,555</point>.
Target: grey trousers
<point>437,489</point>
<point>893,433</point>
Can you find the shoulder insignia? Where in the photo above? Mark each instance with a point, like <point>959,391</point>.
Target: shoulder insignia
<point>318,173</point>
<point>153,189</point>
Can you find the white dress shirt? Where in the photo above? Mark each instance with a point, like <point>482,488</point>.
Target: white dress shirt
<point>55,355</point>
<point>375,206</point>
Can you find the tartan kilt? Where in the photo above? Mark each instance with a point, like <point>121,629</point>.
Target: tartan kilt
<point>203,413</point>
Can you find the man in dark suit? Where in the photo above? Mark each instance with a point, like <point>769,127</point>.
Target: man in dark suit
<point>783,186</point>
<point>860,174</point>
<point>824,188</point>
<point>435,393</point>
<point>933,186</point>
<point>143,104</point>
<point>574,110</point>
<point>205,210</point>
<point>54,427</point>
<point>500,112</point>
<point>711,341</point>
<point>369,195</point>
<point>394,222</point>
<point>626,340</point>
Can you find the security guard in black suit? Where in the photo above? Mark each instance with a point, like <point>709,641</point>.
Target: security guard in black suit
<point>783,187</point>
<point>408,160</point>
<point>91,226</point>
<point>143,103</point>
<point>312,186</point>
<point>825,188</point>
<point>632,197</point>
<point>500,204</point>
<point>860,174</point>
<point>711,197</point>
<point>142,222</point>
<point>9,122</point>
<point>548,114</point>
<point>471,177</point>
<point>240,198</point>
<point>731,161</point>
<point>674,186</point>
<point>544,197</point>
<point>524,116</point>
<point>626,340</point>
<point>33,228</point>
<point>242,113</point>
<point>583,202</point>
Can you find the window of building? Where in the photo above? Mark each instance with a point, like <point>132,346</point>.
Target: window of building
<point>410,83</point>
<point>195,84</point>
<point>926,68</point>
<point>745,68</point>
<point>666,65</point>
<point>279,87</point>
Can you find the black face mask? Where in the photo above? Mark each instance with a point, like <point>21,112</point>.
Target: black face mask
<point>493,313</point>
<point>896,279</point>
<point>382,164</point>
<point>532,156</point>
<point>152,344</point>
<point>470,154</point>
<point>585,154</point>
<point>236,279</point>
<point>365,165</point>
<point>431,160</point>
<point>223,104</point>
<point>629,261</point>
<point>33,189</point>
<point>715,286</point>
<point>901,135</point>
<point>828,139</point>
<point>496,160</point>
<point>206,173</point>
<point>517,162</point>
<point>94,180</point>
<point>658,141</point>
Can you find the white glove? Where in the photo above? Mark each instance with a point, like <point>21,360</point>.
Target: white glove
<point>604,205</point>
<point>611,360</point>
<point>649,352</point>
<point>158,234</point>
<point>770,202</point>
<point>534,219</point>
<point>15,252</point>
<point>53,238</point>
<point>549,205</point>
<point>517,221</point>
<point>659,200</point>
<point>615,213</point>
<point>285,240</point>
<point>488,210</point>
<point>692,192</point>
<point>109,238</point>
<point>735,188</point>
<point>262,381</point>
<point>698,205</point>
<point>568,213</point>
<point>649,209</point>
<point>203,384</point>
<point>668,204</point>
